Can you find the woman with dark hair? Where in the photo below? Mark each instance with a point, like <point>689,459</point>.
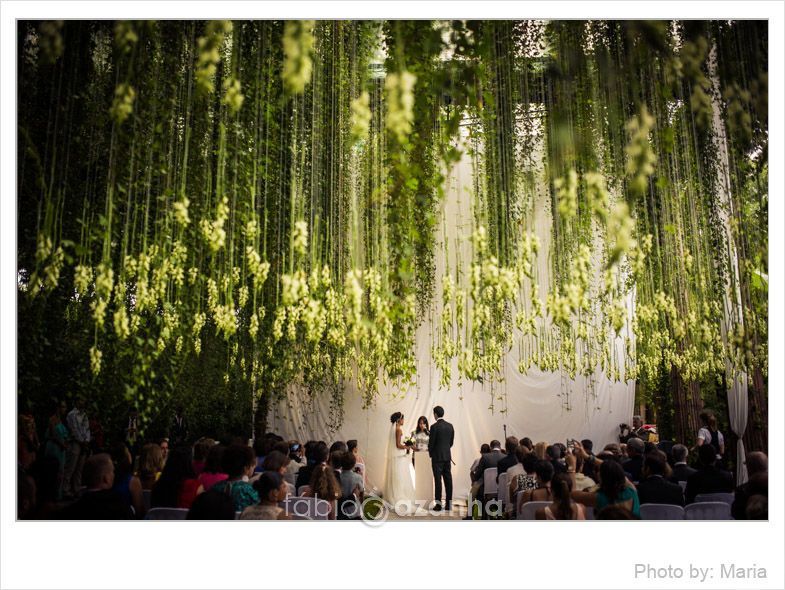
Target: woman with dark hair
<point>272,489</point>
<point>212,472</point>
<point>177,486</point>
<point>544,472</point>
<point>709,434</point>
<point>422,434</point>
<point>126,484</point>
<point>212,505</point>
<point>57,442</point>
<point>614,488</point>
<point>562,507</point>
<point>324,486</point>
<point>201,448</point>
<point>239,462</point>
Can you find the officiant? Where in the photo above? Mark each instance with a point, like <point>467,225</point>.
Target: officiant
<point>423,476</point>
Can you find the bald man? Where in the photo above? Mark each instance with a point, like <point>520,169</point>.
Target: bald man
<point>99,501</point>
<point>757,469</point>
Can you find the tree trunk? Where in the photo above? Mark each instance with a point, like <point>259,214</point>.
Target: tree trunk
<point>756,437</point>
<point>687,408</point>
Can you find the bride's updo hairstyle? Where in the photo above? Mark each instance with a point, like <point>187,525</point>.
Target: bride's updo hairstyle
<point>395,417</point>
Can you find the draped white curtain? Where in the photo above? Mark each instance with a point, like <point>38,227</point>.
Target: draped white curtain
<point>543,406</point>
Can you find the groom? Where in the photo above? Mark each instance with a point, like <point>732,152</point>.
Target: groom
<point>439,444</point>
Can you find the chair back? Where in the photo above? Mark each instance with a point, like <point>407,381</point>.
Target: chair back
<point>504,489</point>
<point>718,497</point>
<point>707,511</point>
<point>146,499</point>
<point>661,512</point>
<point>166,514</point>
<point>588,512</point>
<point>490,486</point>
<point>528,511</point>
<point>306,508</point>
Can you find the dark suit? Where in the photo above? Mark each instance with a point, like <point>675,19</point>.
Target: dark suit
<point>505,463</point>
<point>98,505</point>
<point>682,472</point>
<point>633,467</point>
<point>657,490</point>
<point>440,442</point>
<point>487,461</point>
<point>708,480</point>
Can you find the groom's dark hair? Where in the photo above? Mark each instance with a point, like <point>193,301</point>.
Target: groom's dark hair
<point>438,411</point>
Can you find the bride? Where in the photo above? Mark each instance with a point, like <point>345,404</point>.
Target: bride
<point>400,473</point>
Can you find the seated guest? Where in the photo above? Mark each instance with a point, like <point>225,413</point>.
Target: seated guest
<point>126,484</point>
<point>527,442</point>
<point>634,464</point>
<point>339,446</point>
<point>151,461</point>
<point>583,482</point>
<point>488,460</point>
<point>588,469</point>
<point>484,448</point>
<point>296,460</point>
<point>201,448</point>
<point>510,444</point>
<point>539,450</point>
<point>562,507</point>
<point>612,448</point>
<point>757,464</point>
<point>316,455</point>
<point>213,471</point>
<point>554,454</point>
<point>515,470</point>
<point>262,447</point>
<point>654,488</point>
<point>351,481</point>
<point>355,449</point>
<point>324,486</point>
<point>709,478</point>
<point>239,462</point>
<point>212,505</point>
<point>177,487</point>
<point>528,479</point>
<point>542,493</point>
<point>276,461</point>
<point>681,471</point>
<point>99,501</point>
<point>757,508</point>
<point>272,489</point>
<point>336,460</point>
<point>614,488</point>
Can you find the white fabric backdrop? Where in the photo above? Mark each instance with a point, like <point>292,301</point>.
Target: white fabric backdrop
<point>535,403</point>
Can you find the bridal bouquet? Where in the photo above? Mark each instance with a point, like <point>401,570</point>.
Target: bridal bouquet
<point>409,441</point>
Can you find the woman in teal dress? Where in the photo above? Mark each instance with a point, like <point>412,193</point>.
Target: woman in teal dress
<point>57,441</point>
<point>615,489</point>
<point>238,463</point>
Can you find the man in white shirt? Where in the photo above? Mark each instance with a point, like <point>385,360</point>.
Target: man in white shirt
<point>78,448</point>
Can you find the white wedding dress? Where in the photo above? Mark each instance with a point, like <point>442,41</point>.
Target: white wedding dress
<point>400,478</point>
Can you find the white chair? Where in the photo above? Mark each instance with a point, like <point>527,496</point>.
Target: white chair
<point>166,514</point>
<point>707,511</point>
<point>306,508</point>
<point>528,511</point>
<point>490,487</point>
<point>504,489</point>
<point>717,497</point>
<point>661,512</point>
